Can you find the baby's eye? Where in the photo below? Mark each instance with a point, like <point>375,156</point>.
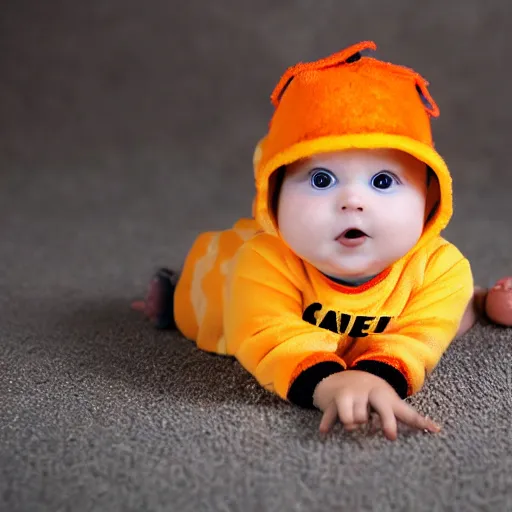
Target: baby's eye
<point>322,179</point>
<point>383,180</point>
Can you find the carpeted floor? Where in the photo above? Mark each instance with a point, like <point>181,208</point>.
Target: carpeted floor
<point>126,128</point>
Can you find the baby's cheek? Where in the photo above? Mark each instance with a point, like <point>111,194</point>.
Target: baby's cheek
<point>301,225</point>
<point>289,222</point>
<point>295,207</point>
<point>312,214</point>
<point>410,228</point>
<point>411,211</point>
<point>402,227</point>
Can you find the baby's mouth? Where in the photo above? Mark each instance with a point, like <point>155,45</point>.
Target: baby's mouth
<point>352,237</point>
<point>352,233</point>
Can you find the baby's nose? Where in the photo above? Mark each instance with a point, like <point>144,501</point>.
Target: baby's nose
<point>351,201</point>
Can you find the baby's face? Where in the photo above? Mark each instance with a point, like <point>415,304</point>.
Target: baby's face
<point>353,213</point>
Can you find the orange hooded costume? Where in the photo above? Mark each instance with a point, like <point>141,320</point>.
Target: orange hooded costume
<point>244,293</point>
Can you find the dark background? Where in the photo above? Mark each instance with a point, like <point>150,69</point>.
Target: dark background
<point>126,129</point>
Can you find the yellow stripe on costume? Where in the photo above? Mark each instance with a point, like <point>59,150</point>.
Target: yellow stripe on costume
<point>204,265</point>
<point>199,296</point>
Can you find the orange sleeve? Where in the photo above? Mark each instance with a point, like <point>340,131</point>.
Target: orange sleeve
<point>413,345</point>
<point>263,321</point>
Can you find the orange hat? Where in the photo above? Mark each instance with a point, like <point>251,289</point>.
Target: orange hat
<point>349,100</point>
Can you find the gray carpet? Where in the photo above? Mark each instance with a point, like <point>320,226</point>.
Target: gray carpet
<point>126,128</point>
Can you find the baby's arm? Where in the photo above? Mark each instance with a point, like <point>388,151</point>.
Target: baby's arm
<point>297,360</point>
<point>414,343</point>
<point>264,328</point>
<point>398,360</point>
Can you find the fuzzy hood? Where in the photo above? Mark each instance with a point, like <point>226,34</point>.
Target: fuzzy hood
<point>350,100</point>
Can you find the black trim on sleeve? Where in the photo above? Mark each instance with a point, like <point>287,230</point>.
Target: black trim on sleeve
<point>391,375</point>
<point>302,389</point>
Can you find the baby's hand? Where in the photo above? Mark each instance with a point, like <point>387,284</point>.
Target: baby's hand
<point>350,394</point>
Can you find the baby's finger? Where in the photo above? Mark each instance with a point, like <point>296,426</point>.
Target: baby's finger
<point>387,418</point>
<point>408,415</point>
<point>329,418</point>
<point>361,412</point>
<point>345,405</point>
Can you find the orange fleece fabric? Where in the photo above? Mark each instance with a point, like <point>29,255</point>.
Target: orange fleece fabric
<point>244,293</point>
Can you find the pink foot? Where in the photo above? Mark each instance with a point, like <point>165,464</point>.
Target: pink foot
<point>158,305</point>
<point>498,304</point>
<point>152,304</point>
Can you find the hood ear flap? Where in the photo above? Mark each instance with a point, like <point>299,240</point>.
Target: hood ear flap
<point>364,52</point>
<point>285,86</point>
<point>348,55</point>
<point>427,100</point>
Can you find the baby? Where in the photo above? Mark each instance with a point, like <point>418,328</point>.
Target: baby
<point>340,292</point>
